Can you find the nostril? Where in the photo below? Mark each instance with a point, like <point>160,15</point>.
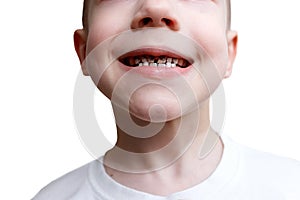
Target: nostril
<point>155,21</point>
<point>168,22</point>
<point>146,20</point>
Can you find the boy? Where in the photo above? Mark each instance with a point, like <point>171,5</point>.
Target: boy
<point>159,62</point>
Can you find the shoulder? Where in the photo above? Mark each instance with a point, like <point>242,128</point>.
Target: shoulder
<point>66,187</point>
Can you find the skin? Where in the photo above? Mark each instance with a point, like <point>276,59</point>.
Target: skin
<point>107,18</point>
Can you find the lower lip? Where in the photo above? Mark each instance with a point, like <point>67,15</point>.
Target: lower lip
<point>157,72</point>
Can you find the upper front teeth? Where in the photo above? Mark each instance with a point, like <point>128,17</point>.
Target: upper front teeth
<point>161,61</point>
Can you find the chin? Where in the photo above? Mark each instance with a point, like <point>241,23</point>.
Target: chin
<point>156,113</point>
<point>154,103</point>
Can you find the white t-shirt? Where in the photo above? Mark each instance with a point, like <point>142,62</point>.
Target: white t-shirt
<point>242,174</point>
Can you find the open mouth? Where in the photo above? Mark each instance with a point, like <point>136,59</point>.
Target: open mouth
<point>159,59</point>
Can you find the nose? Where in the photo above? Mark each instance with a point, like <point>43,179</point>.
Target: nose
<point>156,13</point>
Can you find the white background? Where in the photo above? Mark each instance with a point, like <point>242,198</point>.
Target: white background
<point>38,70</point>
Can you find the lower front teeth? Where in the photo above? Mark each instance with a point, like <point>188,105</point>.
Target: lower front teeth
<point>146,64</point>
<point>153,64</point>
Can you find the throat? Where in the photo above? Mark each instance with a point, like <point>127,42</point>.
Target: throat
<point>162,180</point>
<point>143,144</point>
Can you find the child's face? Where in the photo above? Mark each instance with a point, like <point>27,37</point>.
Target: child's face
<point>203,21</point>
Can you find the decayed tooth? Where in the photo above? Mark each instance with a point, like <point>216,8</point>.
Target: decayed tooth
<point>175,61</point>
<point>180,62</point>
<point>144,59</point>
<point>151,59</point>
<point>137,61</point>
<point>185,63</point>
<point>131,61</point>
<point>169,60</point>
<point>162,60</point>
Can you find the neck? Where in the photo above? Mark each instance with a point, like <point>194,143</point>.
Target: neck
<point>188,137</point>
<point>182,146</point>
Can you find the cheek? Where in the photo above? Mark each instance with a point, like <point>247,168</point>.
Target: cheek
<point>103,27</point>
<point>98,34</point>
<point>212,40</point>
<point>209,32</point>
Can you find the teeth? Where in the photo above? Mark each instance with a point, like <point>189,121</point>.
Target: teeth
<point>161,61</point>
<point>151,60</point>
<point>146,64</point>
<point>132,61</point>
<point>175,61</point>
<point>180,62</point>
<point>144,59</point>
<point>153,64</point>
<point>137,61</point>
